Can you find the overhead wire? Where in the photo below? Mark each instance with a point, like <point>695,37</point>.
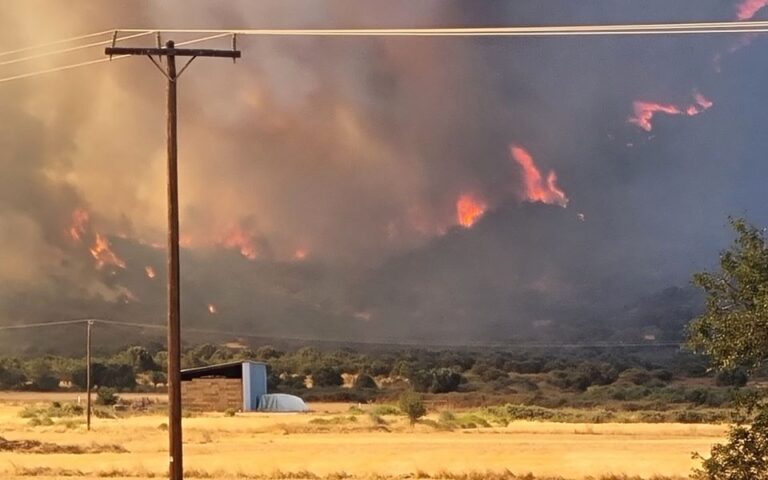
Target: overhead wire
<point>529,31</point>
<point>100,60</point>
<point>43,324</point>
<point>57,42</point>
<point>72,49</point>
<point>664,28</point>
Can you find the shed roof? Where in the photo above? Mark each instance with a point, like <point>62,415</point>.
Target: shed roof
<point>226,370</point>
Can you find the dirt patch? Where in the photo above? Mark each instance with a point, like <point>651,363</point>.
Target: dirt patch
<point>35,446</point>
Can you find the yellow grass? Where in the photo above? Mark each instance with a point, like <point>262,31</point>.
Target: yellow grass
<point>254,445</point>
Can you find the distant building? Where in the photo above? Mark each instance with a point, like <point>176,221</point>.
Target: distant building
<point>237,386</point>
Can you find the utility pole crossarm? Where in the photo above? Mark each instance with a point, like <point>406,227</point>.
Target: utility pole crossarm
<point>178,52</point>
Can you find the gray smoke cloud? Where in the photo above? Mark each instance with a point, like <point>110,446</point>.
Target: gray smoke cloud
<point>337,163</point>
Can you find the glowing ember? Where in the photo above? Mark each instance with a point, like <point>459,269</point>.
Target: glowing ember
<point>749,8</point>
<point>212,309</point>
<point>103,254</point>
<point>236,238</point>
<point>149,271</point>
<point>300,254</point>
<point>79,225</point>
<point>536,188</point>
<point>644,111</point>
<point>469,209</point>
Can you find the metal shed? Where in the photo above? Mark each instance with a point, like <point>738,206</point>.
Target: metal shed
<point>234,385</point>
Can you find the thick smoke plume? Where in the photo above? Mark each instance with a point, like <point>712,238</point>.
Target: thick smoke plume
<point>365,188</point>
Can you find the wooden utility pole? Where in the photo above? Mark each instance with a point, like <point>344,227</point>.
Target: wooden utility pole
<point>170,52</point>
<point>88,374</point>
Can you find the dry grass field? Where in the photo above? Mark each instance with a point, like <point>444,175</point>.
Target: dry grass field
<point>329,444</point>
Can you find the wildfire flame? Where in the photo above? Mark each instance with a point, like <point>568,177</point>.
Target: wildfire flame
<point>644,111</point>
<point>103,254</point>
<point>536,188</point>
<point>149,271</point>
<point>300,254</point>
<point>212,309</point>
<point>79,224</point>
<point>749,8</point>
<point>469,209</point>
<point>236,238</point>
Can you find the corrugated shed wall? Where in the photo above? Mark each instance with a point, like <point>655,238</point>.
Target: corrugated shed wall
<point>254,385</point>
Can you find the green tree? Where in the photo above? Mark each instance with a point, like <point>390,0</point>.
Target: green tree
<point>106,396</point>
<point>733,332</point>
<point>412,405</point>
<point>436,380</point>
<point>157,377</point>
<point>42,377</point>
<point>139,358</point>
<point>326,376</point>
<point>744,457</point>
<point>365,381</point>
<point>11,375</point>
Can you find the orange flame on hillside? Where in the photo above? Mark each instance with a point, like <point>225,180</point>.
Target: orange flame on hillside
<point>236,238</point>
<point>645,111</point>
<point>103,254</point>
<point>79,224</point>
<point>212,309</point>
<point>300,255</point>
<point>469,209</point>
<point>150,271</point>
<point>536,188</point>
<point>749,8</point>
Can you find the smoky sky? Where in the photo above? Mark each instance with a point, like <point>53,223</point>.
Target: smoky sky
<point>340,160</point>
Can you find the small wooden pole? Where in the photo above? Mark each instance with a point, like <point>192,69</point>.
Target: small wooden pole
<point>88,375</point>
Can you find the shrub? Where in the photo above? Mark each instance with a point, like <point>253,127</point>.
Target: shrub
<point>447,416</point>
<point>230,412</point>
<point>743,457</point>
<point>326,377</point>
<point>689,416</point>
<point>651,417</point>
<point>157,377</point>
<point>365,381</point>
<point>412,404</point>
<point>106,396</point>
<point>638,376</point>
<point>386,410</point>
<point>377,419</point>
<point>737,378</point>
<point>438,380</point>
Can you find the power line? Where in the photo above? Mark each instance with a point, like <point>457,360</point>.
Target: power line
<point>42,324</point>
<point>57,42</point>
<point>59,69</point>
<point>71,49</point>
<point>92,62</point>
<point>616,29</point>
<point>729,27</point>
